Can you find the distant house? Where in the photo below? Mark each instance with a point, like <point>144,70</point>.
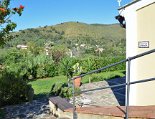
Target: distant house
<point>69,53</point>
<point>140,37</point>
<point>22,46</point>
<point>82,45</point>
<point>47,51</point>
<point>99,50</point>
<point>1,66</point>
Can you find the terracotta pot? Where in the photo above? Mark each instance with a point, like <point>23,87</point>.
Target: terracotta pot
<point>77,82</point>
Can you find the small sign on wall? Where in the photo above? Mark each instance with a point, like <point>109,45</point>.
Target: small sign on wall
<point>143,44</point>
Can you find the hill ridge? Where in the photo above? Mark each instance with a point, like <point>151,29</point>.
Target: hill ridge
<point>71,33</point>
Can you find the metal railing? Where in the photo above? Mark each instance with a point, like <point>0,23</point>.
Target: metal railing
<point>127,84</point>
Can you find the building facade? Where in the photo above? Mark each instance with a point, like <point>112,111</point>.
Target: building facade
<point>140,35</point>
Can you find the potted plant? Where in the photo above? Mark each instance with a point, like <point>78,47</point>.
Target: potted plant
<point>77,70</point>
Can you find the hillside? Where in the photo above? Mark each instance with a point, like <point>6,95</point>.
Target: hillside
<point>109,37</point>
<point>72,30</point>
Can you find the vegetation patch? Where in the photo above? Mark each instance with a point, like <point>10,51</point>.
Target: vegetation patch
<point>62,90</point>
<point>2,114</point>
<point>58,85</point>
<point>14,89</point>
<point>42,87</point>
<point>103,76</point>
<point>58,52</point>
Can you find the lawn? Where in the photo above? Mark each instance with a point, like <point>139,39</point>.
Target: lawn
<point>42,87</point>
<point>103,76</point>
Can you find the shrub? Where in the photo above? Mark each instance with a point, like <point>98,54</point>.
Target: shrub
<point>93,63</point>
<point>62,90</point>
<point>65,66</point>
<point>58,52</point>
<point>14,89</point>
<point>88,64</point>
<point>45,66</point>
<point>51,69</point>
<point>29,65</point>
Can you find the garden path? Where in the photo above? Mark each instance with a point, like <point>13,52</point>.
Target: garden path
<point>38,109</point>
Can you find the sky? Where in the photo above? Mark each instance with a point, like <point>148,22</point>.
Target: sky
<point>51,12</point>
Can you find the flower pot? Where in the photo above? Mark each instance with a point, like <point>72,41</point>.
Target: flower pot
<point>77,82</point>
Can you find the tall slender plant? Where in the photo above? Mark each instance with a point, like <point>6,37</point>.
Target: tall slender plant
<point>67,68</point>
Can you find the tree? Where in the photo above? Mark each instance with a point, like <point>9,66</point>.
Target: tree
<point>6,25</point>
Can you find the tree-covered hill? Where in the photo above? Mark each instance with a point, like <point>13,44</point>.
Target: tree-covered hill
<point>71,33</point>
<point>73,29</point>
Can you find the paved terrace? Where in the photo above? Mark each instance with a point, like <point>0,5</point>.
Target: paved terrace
<point>104,97</point>
<point>38,109</point>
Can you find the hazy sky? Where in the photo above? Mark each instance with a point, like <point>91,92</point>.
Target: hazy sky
<point>51,12</point>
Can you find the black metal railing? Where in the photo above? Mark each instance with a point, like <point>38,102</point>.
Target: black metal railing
<point>127,84</point>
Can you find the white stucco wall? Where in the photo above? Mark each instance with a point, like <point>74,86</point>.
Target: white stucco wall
<point>130,14</point>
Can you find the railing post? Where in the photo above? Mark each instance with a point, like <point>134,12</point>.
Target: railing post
<point>74,108</point>
<point>128,89</point>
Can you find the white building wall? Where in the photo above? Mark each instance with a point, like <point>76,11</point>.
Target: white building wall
<point>131,49</point>
<point>130,14</point>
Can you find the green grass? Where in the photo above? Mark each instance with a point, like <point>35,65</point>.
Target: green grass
<point>103,76</point>
<point>42,87</point>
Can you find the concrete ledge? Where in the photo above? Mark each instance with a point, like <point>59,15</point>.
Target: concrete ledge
<point>139,112</point>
